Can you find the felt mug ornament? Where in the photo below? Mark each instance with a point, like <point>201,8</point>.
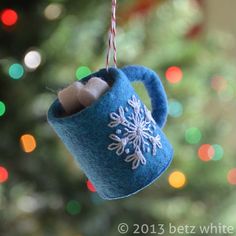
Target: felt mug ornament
<point>117,141</point>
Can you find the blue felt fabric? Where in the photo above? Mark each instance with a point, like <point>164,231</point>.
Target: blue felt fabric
<point>86,134</point>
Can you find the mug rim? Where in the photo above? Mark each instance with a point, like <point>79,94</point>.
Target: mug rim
<point>112,74</point>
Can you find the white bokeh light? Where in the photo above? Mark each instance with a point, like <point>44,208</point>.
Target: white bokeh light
<point>28,204</point>
<point>53,11</point>
<point>32,59</point>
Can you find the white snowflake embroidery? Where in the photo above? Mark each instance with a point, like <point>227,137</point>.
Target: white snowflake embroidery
<point>156,142</point>
<point>136,133</point>
<point>119,145</point>
<point>136,158</point>
<point>118,119</point>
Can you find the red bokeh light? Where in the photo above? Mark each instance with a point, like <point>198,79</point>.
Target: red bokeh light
<point>206,152</point>
<point>3,175</point>
<point>90,186</point>
<point>9,17</point>
<point>232,176</point>
<point>174,74</point>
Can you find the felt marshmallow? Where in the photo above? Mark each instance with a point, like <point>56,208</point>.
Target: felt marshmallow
<point>68,98</point>
<point>92,90</point>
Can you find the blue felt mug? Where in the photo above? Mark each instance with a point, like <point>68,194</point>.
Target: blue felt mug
<point>117,141</point>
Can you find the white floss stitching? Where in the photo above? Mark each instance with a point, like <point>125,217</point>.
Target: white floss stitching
<point>137,130</point>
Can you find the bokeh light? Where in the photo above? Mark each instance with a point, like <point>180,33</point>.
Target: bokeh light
<point>28,143</point>
<point>175,108</point>
<point>2,108</point>
<point>177,179</point>
<point>73,207</point>
<point>53,11</point>
<point>28,204</point>
<point>82,72</point>
<point>218,152</point>
<point>193,135</point>
<point>174,74</point>
<point>90,186</point>
<point>3,174</point>
<point>218,83</point>
<point>232,176</point>
<point>16,71</point>
<point>32,59</point>
<point>9,17</point>
<point>206,152</point>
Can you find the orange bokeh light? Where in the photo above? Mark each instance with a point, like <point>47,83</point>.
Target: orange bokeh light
<point>174,74</point>
<point>9,17</point>
<point>232,176</point>
<point>206,152</point>
<point>177,179</point>
<point>28,143</point>
<point>3,174</point>
<point>90,186</point>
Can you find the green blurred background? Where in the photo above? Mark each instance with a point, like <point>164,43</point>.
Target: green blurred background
<point>46,45</point>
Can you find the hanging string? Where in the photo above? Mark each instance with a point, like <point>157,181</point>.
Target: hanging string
<point>112,37</point>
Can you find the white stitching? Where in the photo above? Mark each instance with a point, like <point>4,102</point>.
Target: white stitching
<point>137,132</point>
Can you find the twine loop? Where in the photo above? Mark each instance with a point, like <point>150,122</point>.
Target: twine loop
<point>112,37</point>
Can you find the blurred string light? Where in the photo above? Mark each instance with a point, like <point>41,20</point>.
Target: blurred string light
<point>232,176</point>
<point>16,71</point>
<point>82,72</point>
<point>90,186</point>
<point>175,108</point>
<point>193,135</point>
<point>53,11</point>
<point>3,175</point>
<point>73,207</point>
<point>218,152</point>
<point>219,84</point>
<point>2,108</point>
<point>177,179</point>
<point>28,143</point>
<point>28,204</point>
<point>9,17</point>
<point>174,74</point>
<point>206,152</point>
<point>32,59</point>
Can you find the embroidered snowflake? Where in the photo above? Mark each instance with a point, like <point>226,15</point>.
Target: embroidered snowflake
<point>135,133</point>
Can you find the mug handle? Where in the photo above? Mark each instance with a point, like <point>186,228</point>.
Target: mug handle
<point>155,90</point>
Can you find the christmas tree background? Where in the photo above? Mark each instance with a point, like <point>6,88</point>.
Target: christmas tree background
<point>47,45</point>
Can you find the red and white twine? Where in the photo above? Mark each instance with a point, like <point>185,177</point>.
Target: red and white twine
<point>112,37</point>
